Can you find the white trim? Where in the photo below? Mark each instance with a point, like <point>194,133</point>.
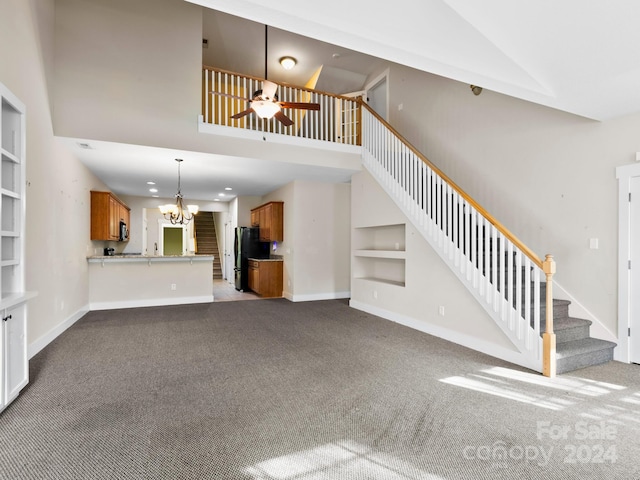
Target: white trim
<point>37,345</point>
<point>275,138</point>
<point>624,174</point>
<point>150,302</point>
<point>312,297</point>
<point>491,349</point>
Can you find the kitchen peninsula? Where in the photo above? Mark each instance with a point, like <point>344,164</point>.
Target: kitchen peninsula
<point>130,280</point>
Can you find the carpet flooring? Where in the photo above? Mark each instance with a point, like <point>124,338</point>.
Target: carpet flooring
<point>275,390</point>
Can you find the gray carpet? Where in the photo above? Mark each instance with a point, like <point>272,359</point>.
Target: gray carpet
<point>270,389</point>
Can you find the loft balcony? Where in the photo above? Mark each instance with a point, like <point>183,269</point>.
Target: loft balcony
<point>335,126</point>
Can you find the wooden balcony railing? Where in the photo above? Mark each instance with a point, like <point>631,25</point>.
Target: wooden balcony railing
<point>338,119</point>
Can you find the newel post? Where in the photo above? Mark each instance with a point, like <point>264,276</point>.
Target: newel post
<point>549,337</point>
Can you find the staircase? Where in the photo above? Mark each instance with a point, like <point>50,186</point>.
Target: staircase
<point>482,253</point>
<point>575,348</point>
<point>207,241</point>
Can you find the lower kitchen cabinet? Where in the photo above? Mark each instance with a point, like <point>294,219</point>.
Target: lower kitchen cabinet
<point>14,365</point>
<point>265,277</point>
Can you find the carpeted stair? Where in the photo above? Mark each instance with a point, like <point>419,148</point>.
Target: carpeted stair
<point>575,348</point>
<point>207,241</point>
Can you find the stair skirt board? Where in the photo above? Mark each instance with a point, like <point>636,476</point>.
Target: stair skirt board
<point>488,348</point>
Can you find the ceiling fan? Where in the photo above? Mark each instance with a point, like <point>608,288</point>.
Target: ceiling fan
<point>264,102</point>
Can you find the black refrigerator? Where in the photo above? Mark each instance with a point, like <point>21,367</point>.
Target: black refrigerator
<point>247,245</point>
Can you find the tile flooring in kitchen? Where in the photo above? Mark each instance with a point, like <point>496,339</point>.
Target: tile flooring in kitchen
<point>224,291</point>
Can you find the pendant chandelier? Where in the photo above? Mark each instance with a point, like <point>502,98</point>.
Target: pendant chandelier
<point>177,214</point>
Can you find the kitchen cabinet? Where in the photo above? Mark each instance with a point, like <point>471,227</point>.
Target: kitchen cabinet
<point>107,211</point>
<point>265,277</point>
<point>14,366</point>
<point>270,218</point>
<point>14,361</point>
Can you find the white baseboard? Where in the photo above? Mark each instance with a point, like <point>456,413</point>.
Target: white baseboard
<point>312,297</point>
<point>151,302</point>
<point>491,349</point>
<point>37,345</point>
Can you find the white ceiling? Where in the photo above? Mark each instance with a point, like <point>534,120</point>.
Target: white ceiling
<point>576,56</point>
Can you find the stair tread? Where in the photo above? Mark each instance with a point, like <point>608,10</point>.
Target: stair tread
<point>585,345</point>
<point>568,322</point>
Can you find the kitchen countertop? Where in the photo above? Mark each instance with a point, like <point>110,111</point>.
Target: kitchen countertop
<point>148,258</point>
<point>273,258</point>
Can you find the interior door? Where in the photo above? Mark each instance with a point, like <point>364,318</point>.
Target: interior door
<point>634,273</point>
<point>377,97</point>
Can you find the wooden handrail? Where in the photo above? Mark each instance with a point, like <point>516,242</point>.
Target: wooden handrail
<point>499,226</point>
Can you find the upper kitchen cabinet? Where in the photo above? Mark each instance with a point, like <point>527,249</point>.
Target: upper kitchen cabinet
<point>270,218</point>
<point>109,217</point>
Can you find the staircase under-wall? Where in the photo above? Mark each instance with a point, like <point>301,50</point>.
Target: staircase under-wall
<point>479,252</point>
<point>207,240</point>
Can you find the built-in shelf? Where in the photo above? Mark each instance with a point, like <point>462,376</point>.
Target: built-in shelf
<point>382,280</point>
<point>379,254</point>
<point>14,365</point>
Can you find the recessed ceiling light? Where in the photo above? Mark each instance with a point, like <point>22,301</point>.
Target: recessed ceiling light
<point>151,183</point>
<point>153,190</point>
<point>216,199</point>
<point>228,188</point>
<point>155,196</point>
<point>221,194</point>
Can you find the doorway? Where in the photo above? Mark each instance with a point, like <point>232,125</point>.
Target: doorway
<point>634,270</point>
<point>628,349</point>
<point>172,239</point>
<point>377,95</point>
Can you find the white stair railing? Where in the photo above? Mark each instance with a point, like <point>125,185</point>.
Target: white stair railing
<point>501,272</point>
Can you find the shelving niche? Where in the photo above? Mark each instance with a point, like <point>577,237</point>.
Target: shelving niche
<point>379,254</point>
<point>14,367</point>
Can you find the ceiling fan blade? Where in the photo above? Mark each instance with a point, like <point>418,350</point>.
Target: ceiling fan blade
<point>268,90</point>
<point>242,114</point>
<point>300,105</point>
<point>229,96</point>
<point>282,118</point>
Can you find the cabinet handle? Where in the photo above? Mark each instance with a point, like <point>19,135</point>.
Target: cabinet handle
<point>7,318</point>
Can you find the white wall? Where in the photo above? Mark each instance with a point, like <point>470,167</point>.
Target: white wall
<point>316,246</point>
<point>548,176</point>
<point>429,283</point>
<point>58,185</point>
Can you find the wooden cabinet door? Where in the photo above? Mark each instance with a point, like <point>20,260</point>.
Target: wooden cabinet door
<point>254,277</point>
<point>114,219</point>
<point>265,224</point>
<point>255,218</point>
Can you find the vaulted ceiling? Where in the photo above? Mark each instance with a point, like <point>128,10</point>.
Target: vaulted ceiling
<point>579,57</point>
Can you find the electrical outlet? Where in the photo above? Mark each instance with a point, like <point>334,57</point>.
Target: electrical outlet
<point>441,310</point>
<point>173,286</point>
<point>375,294</point>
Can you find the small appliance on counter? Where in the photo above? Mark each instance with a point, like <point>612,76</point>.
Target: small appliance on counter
<point>109,252</point>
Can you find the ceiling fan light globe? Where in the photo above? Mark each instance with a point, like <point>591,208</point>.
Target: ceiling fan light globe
<point>265,109</point>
